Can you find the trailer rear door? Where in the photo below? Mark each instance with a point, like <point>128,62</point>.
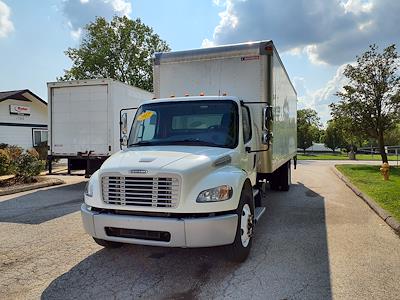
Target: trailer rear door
<point>79,120</point>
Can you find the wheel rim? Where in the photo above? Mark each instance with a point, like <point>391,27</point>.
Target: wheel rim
<point>246,225</point>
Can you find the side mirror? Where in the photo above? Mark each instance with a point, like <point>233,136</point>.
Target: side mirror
<point>267,117</point>
<point>124,140</point>
<point>124,123</point>
<point>266,138</point>
<point>123,129</point>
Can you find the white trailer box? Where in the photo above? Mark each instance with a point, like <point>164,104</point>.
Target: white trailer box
<point>251,71</point>
<point>84,118</point>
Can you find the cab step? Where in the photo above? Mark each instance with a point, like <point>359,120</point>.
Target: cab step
<point>258,212</point>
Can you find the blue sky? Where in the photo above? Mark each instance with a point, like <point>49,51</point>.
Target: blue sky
<point>315,38</point>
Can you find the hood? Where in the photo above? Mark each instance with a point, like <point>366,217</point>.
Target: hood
<point>163,158</point>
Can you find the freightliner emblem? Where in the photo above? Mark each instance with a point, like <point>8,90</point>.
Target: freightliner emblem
<point>138,171</point>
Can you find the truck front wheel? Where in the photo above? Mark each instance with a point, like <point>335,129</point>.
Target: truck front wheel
<point>240,249</point>
<point>107,244</point>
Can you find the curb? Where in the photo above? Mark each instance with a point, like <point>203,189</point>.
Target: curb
<point>38,185</point>
<point>391,221</point>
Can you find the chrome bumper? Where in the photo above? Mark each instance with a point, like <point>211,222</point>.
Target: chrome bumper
<point>185,232</point>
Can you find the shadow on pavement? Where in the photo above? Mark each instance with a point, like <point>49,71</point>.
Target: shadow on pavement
<point>289,260</point>
<point>42,205</point>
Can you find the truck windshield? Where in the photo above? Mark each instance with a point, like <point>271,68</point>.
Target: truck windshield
<point>211,123</point>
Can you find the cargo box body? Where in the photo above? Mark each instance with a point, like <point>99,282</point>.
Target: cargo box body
<point>254,73</point>
<point>84,116</point>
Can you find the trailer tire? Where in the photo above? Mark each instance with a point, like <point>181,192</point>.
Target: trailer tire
<point>273,183</point>
<point>107,244</point>
<point>285,177</point>
<point>281,178</point>
<point>240,249</point>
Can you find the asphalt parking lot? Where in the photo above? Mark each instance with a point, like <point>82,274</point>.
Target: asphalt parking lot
<point>317,241</point>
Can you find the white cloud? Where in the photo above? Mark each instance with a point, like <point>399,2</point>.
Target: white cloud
<point>81,12</point>
<point>207,43</point>
<point>6,25</point>
<point>357,6</point>
<point>330,31</point>
<point>321,98</point>
<point>76,34</point>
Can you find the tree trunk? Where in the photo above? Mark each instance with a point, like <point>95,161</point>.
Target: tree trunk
<point>304,151</point>
<point>381,144</point>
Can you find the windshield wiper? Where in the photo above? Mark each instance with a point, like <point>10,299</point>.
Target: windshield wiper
<point>190,142</point>
<point>143,143</point>
<point>195,142</point>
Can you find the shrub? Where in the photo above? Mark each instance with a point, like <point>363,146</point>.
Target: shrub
<point>33,152</point>
<point>28,166</point>
<point>3,145</point>
<point>42,150</point>
<point>5,163</point>
<point>14,152</point>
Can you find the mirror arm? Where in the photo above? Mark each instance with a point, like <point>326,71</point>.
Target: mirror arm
<point>248,150</point>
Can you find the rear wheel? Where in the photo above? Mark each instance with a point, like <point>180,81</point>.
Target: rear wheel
<point>286,177</point>
<point>281,178</point>
<point>240,249</point>
<point>107,244</point>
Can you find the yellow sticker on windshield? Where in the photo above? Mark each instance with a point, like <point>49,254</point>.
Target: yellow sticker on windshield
<point>146,115</point>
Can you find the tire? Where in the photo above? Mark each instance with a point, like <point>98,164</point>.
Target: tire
<point>240,249</point>
<point>281,180</point>
<point>285,178</point>
<point>273,183</point>
<point>107,244</point>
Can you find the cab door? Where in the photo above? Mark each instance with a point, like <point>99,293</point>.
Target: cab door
<point>249,159</point>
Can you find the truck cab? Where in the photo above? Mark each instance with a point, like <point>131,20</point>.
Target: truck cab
<point>185,179</point>
<point>192,172</point>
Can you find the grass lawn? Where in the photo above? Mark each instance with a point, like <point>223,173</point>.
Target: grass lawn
<point>370,181</point>
<point>340,156</point>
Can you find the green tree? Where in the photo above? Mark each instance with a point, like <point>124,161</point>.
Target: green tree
<point>121,49</point>
<point>321,135</point>
<point>308,124</point>
<point>333,138</point>
<point>352,134</point>
<point>371,100</point>
<point>392,137</point>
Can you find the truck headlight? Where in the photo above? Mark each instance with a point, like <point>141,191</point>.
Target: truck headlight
<point>89,189</point>
<point>220,193</point>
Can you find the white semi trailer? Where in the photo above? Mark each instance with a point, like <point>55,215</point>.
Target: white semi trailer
<point>84,120</point>
<point>197,157</point>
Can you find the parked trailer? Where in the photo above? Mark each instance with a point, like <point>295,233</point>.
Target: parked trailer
<point>84,120</point>
<point>197,157</point>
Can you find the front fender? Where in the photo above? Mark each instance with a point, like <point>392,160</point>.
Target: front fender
<point>228,175</point>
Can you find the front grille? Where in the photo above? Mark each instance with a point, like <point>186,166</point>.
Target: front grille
<point>140,191</point>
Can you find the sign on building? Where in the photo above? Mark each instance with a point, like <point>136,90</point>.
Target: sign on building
<point>20,110</point>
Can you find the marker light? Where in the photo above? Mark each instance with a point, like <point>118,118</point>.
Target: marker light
<point>202,94</point>
<point>186,95</point>
<point>172,96</point>
<point>224,94</point>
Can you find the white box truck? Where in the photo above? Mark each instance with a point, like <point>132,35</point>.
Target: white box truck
<point>84,120</point>
<point>195,167</point>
